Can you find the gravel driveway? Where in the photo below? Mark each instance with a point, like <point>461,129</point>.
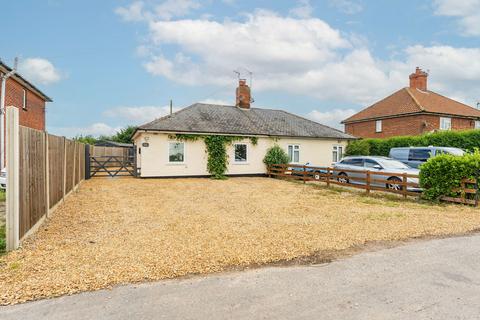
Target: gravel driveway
<point>114,231</point>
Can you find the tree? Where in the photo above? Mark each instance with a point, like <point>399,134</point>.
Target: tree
<point>124,135</point>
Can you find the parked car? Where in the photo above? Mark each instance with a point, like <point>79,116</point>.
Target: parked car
<point>3,179</point>
<point>312,172</point>
<point>393,167</point>
<point>415,156</point>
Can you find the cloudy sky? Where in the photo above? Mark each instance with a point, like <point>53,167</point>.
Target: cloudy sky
<point>111,63</point>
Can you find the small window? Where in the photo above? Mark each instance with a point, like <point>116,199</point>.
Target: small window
<point>419,154</point>
<point>24,101</point>
<point>294,153</point>
<point>353,162</point>
<point>176,152</point>
<point>477,124</point>
<point>240,152</point>
<point>337,153</point>
<point>378,126</point>
<point>445,123</point>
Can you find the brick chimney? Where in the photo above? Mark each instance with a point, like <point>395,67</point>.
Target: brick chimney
<point>418,80</point>
<point>243,95</point>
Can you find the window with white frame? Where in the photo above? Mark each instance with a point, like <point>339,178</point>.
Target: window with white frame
<point>445,123</point>
<point>240,152</point>
<point>378,126</point>
<point>337,153</point>
<point>294,153</point>
<point>176,152</point>
<point>477,124</point>
<point>24,101</point>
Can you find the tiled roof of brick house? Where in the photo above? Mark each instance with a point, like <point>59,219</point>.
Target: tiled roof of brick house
<point>414,100</point>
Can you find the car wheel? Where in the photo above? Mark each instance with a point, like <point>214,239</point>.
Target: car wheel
<point>342,177</point>
<point>316,175</point>
<point>395,184</point>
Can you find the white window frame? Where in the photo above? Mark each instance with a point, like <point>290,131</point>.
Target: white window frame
<point>24,99</point>
<point>477,124</point>
<point>378,126</point>
<point>445,123</point>
<point>337,152</point>
<point>292,159</point>
<point>235,161</point>
<point>184,153</point>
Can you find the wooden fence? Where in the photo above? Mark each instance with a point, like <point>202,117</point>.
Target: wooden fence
<point>42,169</point>
<point>399,183</point>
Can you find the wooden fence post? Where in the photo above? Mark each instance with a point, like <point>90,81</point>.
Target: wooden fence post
<point>74,164</point>
<point>13,177</point>
<point>64,168</point>
<point>304,174</point>
<point>367,189</point>
<point>328,177</point>
<point>87,161</point>
<point>47,173</point>
<point>404,182</point>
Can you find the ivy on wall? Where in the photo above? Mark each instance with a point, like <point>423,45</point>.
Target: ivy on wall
<point>216,148</point>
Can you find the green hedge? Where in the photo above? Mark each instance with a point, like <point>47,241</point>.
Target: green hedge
<point>440,174</point>
<point>468,140</point>
<point>276,155</point>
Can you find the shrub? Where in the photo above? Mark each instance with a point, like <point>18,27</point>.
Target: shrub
<point>3,243</point>
<point>468,140</point>
<point>276,155</point>
<point>443,173</point>
<point>358,148</point>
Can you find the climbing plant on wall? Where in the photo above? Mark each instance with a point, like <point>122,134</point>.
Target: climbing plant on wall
<point>216,148</point>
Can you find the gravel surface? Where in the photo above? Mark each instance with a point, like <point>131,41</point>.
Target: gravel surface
<point>114,231</point>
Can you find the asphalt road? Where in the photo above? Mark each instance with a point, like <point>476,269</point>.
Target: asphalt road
<point>436,279</point>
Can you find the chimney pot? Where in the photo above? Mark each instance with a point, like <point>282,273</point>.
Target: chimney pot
<point>243,95</point>
<point>418,80</point>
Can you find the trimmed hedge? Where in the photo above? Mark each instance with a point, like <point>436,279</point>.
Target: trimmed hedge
<point>276,155</point>
<point>443,173</point>
<point>468,140</point>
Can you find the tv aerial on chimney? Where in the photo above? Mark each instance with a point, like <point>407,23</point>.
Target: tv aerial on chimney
<point>243,70</point>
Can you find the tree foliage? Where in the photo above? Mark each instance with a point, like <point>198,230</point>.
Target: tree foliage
<point>124,136</point>
<point>442,174</point>
<point>468,140</point>
<point>276,155</point>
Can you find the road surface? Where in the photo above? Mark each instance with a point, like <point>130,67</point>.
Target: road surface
<point>436,279</point>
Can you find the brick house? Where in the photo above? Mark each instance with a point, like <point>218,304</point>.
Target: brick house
<point>27,98</point>
<point>412,111</point>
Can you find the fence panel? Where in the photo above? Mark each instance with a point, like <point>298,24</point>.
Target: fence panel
<point>33,188</point>
<point>56,165</point>
<point>70,163</point>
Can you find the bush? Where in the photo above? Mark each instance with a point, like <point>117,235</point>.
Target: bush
<point>3,243</point>
<point>358,148</point>
<point>443,173</point>
<point>468,140</point>
<point>276,155</point>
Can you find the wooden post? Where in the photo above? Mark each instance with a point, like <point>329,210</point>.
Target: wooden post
<point>74,164</point>
<point>64,167</point>
<point>328,177</point>
<point>87,161</point>
<point>476,191</point>
<point>13,177</point>
<point>404,183</point>
<point>304,174</point>
<point>367,189</point>
<point>47,174</point>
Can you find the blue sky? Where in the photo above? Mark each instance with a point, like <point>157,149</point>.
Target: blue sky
<point>110,63</point>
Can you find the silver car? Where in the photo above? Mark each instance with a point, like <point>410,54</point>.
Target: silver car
<point>395,169</point>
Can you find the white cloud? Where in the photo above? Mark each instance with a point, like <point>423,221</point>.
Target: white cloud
<point>467,11</point>
<point>39,70</point>
<point>139,115</point>
<point>303,10</point>
<point>300,56</point>
<point>175,8</point>
<point>95,129</point>
<point>133,12</point>
<point>346,6</point>
<point>331,118</point>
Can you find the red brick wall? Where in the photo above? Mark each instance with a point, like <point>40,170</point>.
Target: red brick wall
<point>34,115</point>
<point>403,126</point>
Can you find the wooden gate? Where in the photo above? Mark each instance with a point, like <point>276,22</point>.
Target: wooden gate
<point>110,162</point>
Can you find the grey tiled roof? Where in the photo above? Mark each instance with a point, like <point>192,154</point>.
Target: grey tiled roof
<point>209,118</point>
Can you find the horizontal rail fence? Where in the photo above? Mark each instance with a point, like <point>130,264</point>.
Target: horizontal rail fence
<point>399,183</point>
<point>372,180</point>
<point>110,162</point>
<point>49,167</point>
